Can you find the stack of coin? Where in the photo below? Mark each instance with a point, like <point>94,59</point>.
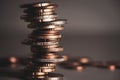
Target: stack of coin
<point>44,39</point>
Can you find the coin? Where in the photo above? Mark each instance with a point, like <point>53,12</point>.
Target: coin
<point>30,12</point>
<point>46,43</point>
<point>44,40</point>
<point>39,10</point>
<point>46,70</point>
<point>47,65</point>
<point>47,20</point>
<point>41,4</point>
<point>39,49</point>
<point>41,43</point>
<point>50,56</point>
<point>54,60</point>
<point>39,17</point>
<point>36,65</point>
<point>46,36</point>
<point>47,46</point>
<point>59,22</point>
<point>40,25</point>
<point>48,31</point>
<point>46,27</point>
<point>50,76</point>
<point>44,67</point>
<point>51,46</point>
<point>38,73</point>
<point>38,4</point>
<point>38,20</point>
<point>54,76</point>
<point>44,54</point>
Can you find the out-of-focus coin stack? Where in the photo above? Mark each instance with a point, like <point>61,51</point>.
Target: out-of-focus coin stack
<point>44,40</point>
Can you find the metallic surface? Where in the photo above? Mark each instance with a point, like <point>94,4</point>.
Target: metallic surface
<point>43,40</point>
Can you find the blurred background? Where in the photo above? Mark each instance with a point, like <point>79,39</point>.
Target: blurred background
<point>93,30</point>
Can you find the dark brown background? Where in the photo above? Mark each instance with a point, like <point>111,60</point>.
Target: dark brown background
<point>93,30</point>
